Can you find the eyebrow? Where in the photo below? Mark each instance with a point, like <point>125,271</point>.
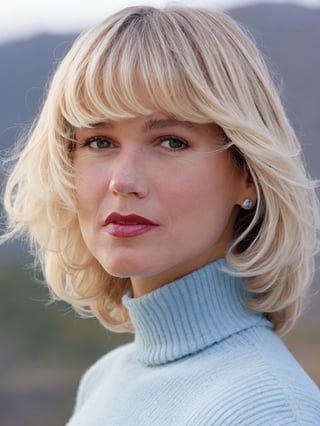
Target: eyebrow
<point>153,123</point>
<point>160,123</point>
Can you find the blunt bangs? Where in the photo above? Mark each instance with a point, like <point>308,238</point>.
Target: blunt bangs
<point>144,62</point>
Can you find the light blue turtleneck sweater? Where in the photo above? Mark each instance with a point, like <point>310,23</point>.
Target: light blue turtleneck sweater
<point>199,358</point>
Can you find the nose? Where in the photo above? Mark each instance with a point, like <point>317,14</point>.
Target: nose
<point>128,176</point>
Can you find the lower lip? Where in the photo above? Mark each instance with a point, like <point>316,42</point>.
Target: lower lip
<point>128,231</point>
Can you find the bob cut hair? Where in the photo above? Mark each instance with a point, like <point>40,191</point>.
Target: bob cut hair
<point>193,65</point>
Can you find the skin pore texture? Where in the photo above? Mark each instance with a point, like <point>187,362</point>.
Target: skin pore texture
<point>172,174</point>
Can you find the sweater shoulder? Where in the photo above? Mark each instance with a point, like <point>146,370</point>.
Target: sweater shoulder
<point>268,387</point>
<point>93,377</point>
<point>256,401</point>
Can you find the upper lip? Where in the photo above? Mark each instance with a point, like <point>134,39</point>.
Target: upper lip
<point>130,219</point>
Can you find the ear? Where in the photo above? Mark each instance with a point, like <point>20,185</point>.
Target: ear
<point>247,190</point>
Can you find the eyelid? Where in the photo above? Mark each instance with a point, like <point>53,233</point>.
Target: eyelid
<point>88,141</point>
<point>177,138</point>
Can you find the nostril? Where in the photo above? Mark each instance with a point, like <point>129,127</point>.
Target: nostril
<point>127,188</point>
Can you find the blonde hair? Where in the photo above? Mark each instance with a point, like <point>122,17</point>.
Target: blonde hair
<point>195,65</point>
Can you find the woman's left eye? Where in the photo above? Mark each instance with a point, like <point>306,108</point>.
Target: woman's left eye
<point>174,144</point>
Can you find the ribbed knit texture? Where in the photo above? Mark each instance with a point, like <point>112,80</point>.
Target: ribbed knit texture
<point>189,315</point>
<point>199,358</point>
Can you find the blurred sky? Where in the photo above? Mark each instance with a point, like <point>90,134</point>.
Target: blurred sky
<point>20,18</point>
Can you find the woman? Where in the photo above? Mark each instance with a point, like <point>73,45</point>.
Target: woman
<point>163,191</point>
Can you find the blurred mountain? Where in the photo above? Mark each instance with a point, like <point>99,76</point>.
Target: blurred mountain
<point>26,66</point>
<point>289,37</point>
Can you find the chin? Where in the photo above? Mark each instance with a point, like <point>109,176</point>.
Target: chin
<point>125,269</point>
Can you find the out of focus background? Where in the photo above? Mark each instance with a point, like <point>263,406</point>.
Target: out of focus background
<point>45,347</point>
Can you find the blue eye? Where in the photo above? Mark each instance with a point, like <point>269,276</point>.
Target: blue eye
<point>98,142</point>
<point>174,144</point>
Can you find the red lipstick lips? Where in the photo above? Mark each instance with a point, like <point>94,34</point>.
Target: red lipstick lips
<point>127,226</point>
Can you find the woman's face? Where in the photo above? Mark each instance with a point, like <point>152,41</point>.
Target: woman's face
<point>156,200</point>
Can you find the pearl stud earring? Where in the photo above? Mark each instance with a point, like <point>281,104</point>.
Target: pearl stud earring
<point>247,204</point>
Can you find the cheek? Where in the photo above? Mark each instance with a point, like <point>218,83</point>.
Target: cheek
<point>90,183</point>
<point>206,183</point>
<point>208,193</point>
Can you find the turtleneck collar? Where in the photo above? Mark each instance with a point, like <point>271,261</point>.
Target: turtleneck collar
<point>189,314</point>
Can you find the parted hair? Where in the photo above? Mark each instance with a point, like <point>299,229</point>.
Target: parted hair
<point>195,65</point>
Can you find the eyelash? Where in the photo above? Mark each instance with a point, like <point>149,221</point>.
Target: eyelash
<point>184,144</point>
<point>96,139</point>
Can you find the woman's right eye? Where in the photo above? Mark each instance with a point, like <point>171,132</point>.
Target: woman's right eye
<point>98,142</point>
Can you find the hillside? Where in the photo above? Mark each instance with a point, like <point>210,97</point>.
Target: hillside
<point>289,37</point>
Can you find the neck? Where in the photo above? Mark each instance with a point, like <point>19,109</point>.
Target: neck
<point>189,314</point>
<point>144,285</point>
